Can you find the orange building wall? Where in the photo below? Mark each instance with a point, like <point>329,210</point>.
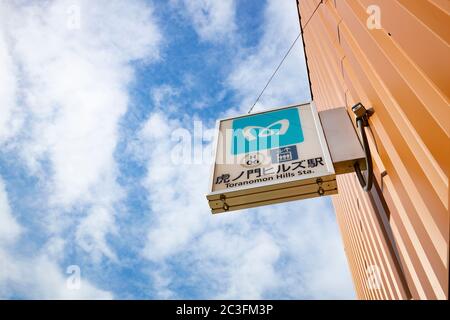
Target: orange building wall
<point>400,230</point>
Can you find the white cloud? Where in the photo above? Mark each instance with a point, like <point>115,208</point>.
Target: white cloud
<point>212,20</point>
<point>167,202</point>
<point>41,278</point>
<point>164,97</point>
<point>250,263</point>
<point>69,79</point>
<point>92,231</point>
<point>34,276</point>
<point>9,228</point>
<point>9,120</point>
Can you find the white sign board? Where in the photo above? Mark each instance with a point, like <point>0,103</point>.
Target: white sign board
<point>270,157</point>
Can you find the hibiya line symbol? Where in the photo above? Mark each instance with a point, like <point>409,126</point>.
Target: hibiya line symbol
<point>266,131</point>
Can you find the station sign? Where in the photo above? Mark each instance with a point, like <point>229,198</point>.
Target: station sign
<point>270,157</point>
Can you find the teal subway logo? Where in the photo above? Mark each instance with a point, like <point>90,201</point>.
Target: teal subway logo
<point>267,130</point>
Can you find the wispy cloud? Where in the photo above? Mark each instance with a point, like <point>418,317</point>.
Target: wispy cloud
<point>9,228</point>
<point>38,276</point>
<point>212,20</point>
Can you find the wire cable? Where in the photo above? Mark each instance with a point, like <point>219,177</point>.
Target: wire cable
<point>282,60</point>
<point>273,74</point>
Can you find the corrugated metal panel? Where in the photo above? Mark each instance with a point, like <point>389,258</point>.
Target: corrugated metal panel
<point>401,70</point>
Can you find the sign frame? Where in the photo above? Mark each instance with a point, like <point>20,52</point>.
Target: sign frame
<point>292,188</point>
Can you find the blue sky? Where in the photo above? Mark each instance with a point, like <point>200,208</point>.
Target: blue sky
<point>94,96</point>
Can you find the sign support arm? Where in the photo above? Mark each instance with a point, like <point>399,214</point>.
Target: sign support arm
<point>362,121</point>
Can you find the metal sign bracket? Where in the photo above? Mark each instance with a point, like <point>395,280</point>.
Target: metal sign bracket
<point>362,121</point>
<point>347,151</point>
